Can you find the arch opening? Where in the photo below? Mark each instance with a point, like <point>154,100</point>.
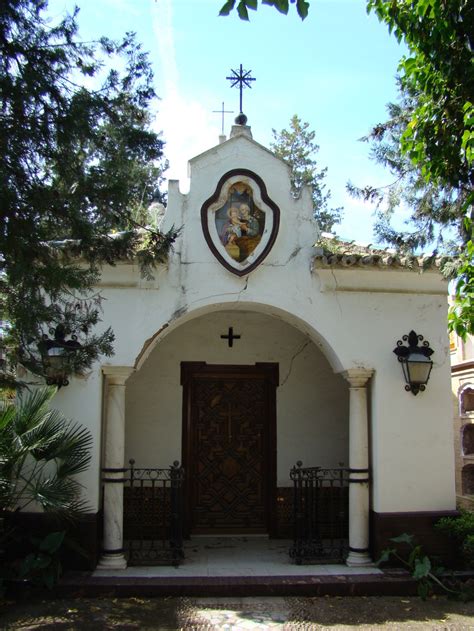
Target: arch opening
<point>466,400</point>
<point>311,401</point>
<point>468,479</point>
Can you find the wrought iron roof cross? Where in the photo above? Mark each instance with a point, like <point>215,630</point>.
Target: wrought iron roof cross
<point>241,78</point>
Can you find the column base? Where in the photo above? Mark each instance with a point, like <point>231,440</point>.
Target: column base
<point>114,561</point>
<point>359,559</point>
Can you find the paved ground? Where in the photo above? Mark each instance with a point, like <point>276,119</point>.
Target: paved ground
<point>199,614</point>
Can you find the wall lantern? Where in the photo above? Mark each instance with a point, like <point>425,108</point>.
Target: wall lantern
<point>415,360</point>
<point>58,355</point>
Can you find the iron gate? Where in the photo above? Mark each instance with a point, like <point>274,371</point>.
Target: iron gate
<point>320,514</point>
<point>153,515</point>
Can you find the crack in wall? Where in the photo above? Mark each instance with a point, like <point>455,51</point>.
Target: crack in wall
<point>295,253</point>
<point>244,288</point>
<point>238,294</point>
<point>335,291</point>
<point>298,352</point>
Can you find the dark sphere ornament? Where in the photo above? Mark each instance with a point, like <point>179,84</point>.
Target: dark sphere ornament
<point>241,119</point>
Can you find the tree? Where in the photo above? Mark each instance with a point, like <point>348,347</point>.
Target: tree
<point>296,146</point>
<point>78,168</point>
<point>438,137</point>
<point>40,453</point>
<point>439,73</point>
<point>436,211</point>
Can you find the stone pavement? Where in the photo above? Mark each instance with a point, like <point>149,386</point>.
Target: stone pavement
<point>235,556</point>
<point>311,614</point>
<point>237,614</point>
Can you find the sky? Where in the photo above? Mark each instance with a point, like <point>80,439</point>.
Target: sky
<point>335,70</point>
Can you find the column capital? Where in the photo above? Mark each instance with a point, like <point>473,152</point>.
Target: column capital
<point>117,375</point>
<point>357,377</point>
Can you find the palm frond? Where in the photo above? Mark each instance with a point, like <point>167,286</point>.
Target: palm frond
<point>7,414</point>
<point>39,452</point>
<point>55,494</point>
<point>31,408</point>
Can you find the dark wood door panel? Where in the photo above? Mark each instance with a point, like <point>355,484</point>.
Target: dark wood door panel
<point>230,454</point>
<point>228,450</point>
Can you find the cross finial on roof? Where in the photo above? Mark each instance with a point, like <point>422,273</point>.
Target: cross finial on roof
<point>241,78</point>
<point>222,111</point>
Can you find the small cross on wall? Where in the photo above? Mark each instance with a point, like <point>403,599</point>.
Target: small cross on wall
<point>230,337</point>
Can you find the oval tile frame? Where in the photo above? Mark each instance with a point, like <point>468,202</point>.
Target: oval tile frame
<point>264,204</point>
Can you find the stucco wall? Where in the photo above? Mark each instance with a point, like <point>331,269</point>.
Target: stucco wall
<point>82,402</point>
<point>312,402</point>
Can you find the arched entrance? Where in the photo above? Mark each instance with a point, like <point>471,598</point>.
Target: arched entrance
<point>177,409</point>
<point>311,403</point>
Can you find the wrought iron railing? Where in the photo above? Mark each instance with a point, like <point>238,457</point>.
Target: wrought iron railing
<point>153,515</point>
<point>320,514</point>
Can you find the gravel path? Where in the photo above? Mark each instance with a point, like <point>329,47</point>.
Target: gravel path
<point>199,614</point>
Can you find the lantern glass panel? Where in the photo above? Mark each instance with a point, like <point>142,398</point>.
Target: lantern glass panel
<point>56,351</point>
<point>418,367</point>
<point>54,366</point>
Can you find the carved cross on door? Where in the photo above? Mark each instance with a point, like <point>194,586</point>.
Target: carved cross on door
<point>227,416</point>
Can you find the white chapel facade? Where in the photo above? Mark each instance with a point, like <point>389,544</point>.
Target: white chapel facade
<point>253,349</point>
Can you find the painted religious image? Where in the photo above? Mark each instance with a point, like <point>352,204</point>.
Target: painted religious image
<point>240,223</point>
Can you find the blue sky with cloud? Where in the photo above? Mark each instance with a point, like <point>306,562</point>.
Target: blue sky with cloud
<point>336,70</point>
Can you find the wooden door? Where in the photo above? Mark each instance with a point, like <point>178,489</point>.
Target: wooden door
<point>229,447</point>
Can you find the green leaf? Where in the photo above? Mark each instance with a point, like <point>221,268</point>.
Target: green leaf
<point>409,64</point>
<point>414,554</point>
<point>404,538</point>
<point>385,556</point>
<point>242,11</point>
<point>252,4</point>
<point>302,7</point>
<point>282,6</point>
<point>227,7</point>
<point>423,590</point>
<point>28,563</point>
<point>52,542</point>
<point>422,568</point>
<point>34,562</point>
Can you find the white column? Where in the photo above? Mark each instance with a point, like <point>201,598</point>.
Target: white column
<point>112,557</point>
<point>358,467</point>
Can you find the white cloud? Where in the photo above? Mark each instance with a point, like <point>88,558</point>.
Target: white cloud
<point>357,221</point>
<point>188,128</point>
